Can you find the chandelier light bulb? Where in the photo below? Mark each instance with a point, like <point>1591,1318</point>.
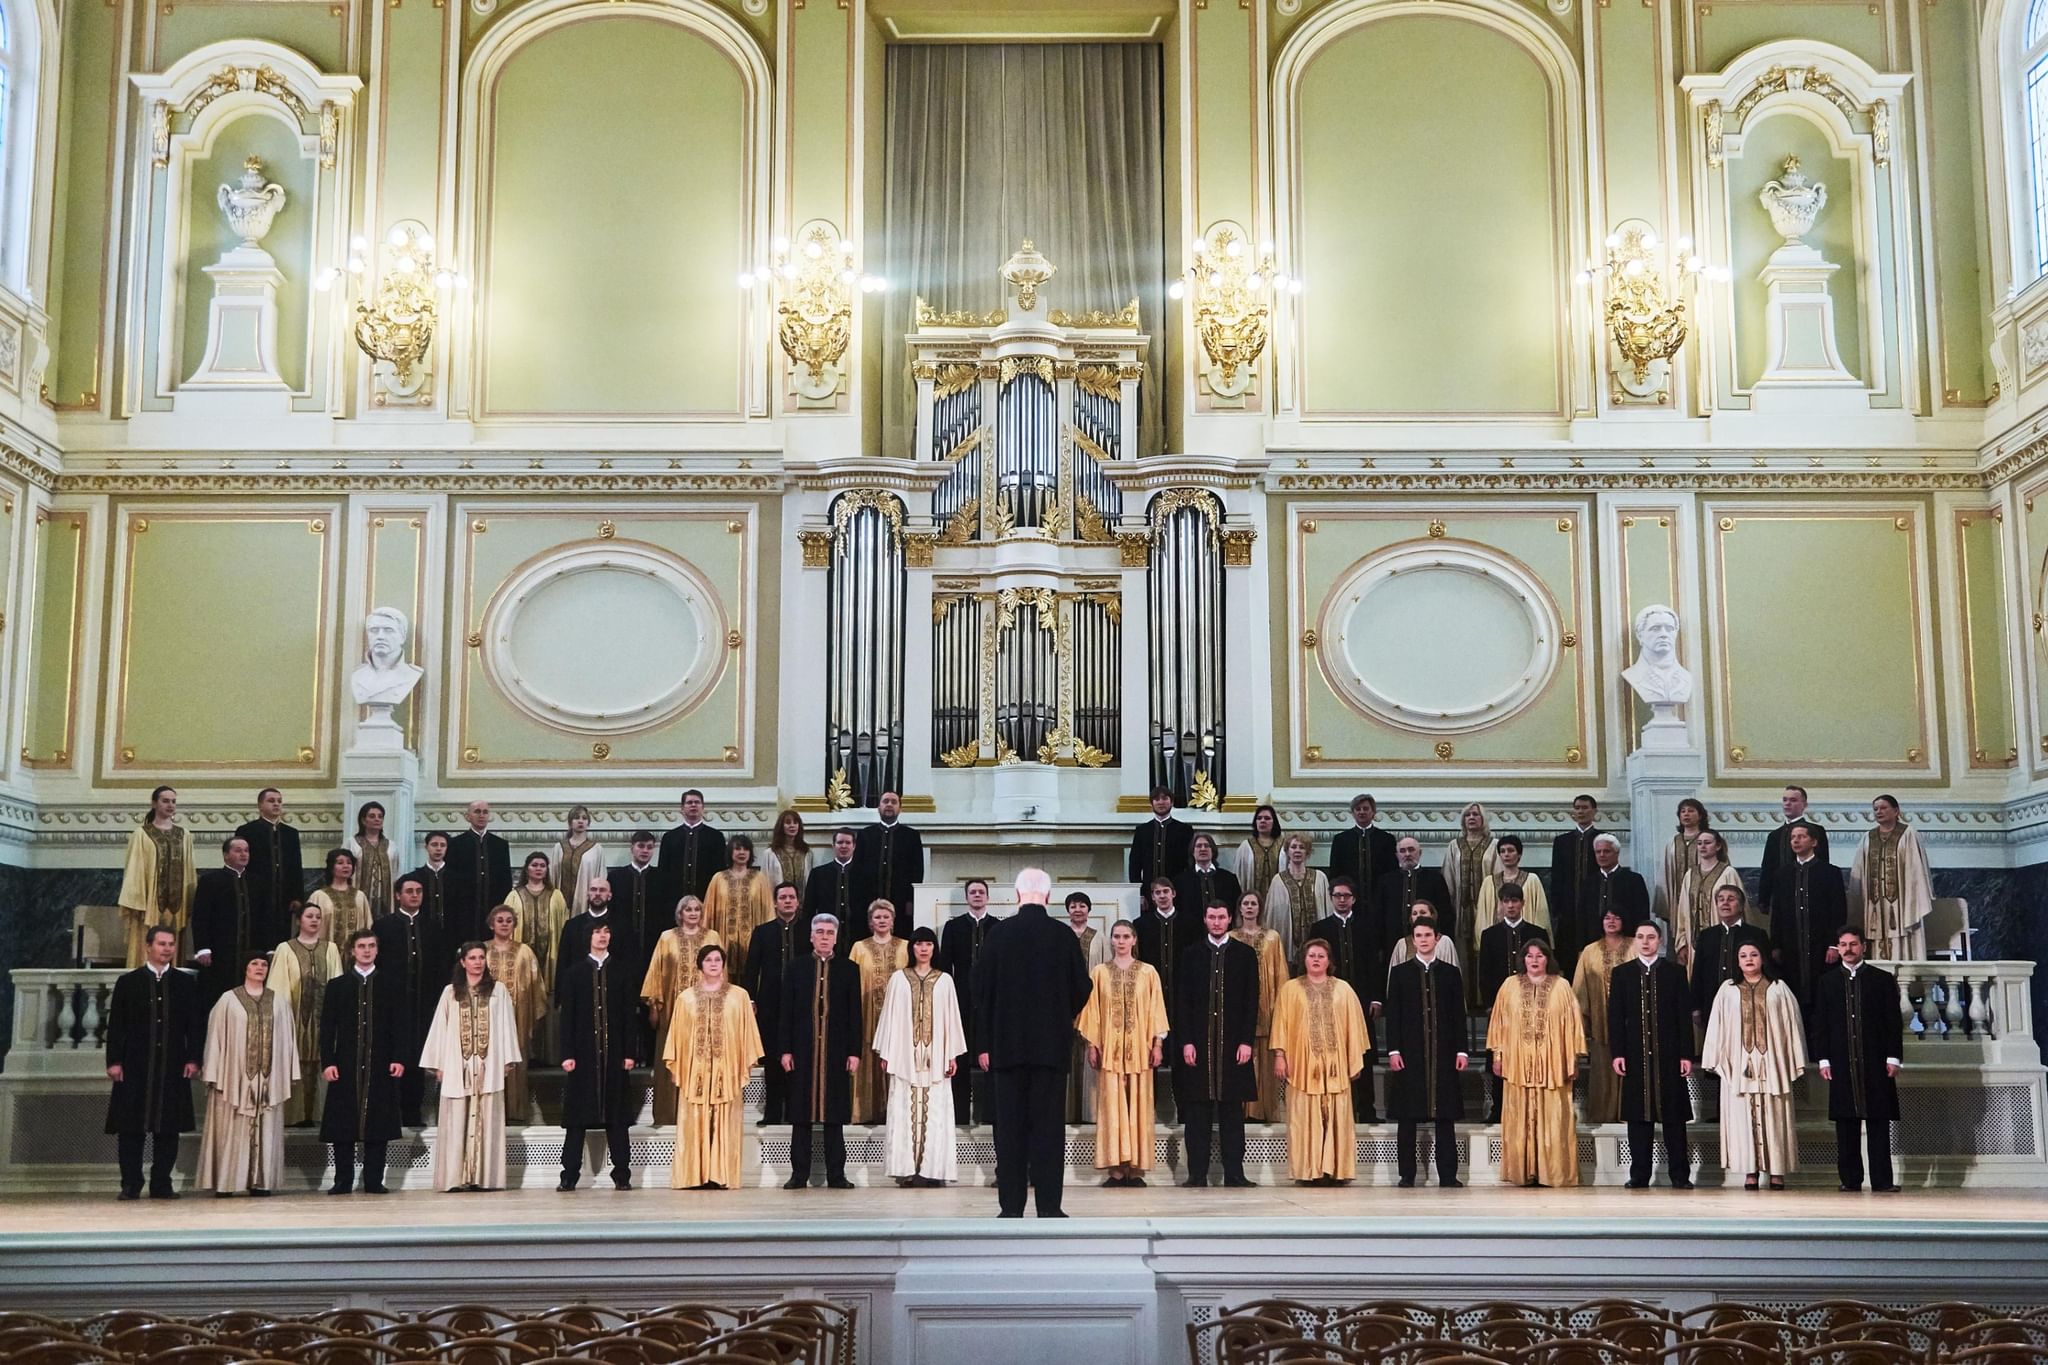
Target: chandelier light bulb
<point>444,279</point>
<point>1198,246</point>
<point>425,243</point>
<point>1215,280</point>
<point>1254,281</point>
<point>1235,249</point>
<point>358,244</point>
<point>1613,240</point>
<point>1632,269</point>
<point>846,246</point>
<point>1684,245</point>
<point>396,237</point>
<point>1695,263</point>
<point>355,265</point>
<point>1176,290</point>
<point>746,279</point>
<point>324,281</point>
<point>779,245</point>
<point>1294,286</point>
<point>813,250</point>
<point>1649,239</point>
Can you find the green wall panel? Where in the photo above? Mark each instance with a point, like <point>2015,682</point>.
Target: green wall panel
<point>311,29</point>
<point>53,680</point>
<point>1728,30</point>
<point>1957,221</point>
<point>1987,677</point>
<point>80,290</point>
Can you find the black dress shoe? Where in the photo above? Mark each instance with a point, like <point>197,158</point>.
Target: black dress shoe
<point>1193,1184</point>
<point>1885,1189</point>
<point>342,1189</point>
<point>1452,1184</point>
<point>839,1182</point>
<point>1054,1214</point>
<point>1852,1189</point>
<point>1681,1184</point>
<point>1637,1184</point>
<point>622,1182</point>
<point>565,1184</point>
<point>126,1195</point>
<point>261,1194</point>
<point>1406,1182</point>
<point>162,1192</point>
<point>1135,1182</point>
<point>796,1182</point>
<point>376,1189</point>
<point>1236,1182</point>
<point>1009,1215</point>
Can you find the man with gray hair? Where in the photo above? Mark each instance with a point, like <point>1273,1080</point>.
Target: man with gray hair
<point>1611,887</point>
<point>1028,990</point>
<point>819,1029</point>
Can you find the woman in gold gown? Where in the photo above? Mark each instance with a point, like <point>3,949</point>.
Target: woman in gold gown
<point>300,969</point>
<point>1597,961</point>
<point>1125,1024</point>
<point>711,1050</point>
<point>1536,1041</point>
<point>879,956</point>
<point>513,965</point>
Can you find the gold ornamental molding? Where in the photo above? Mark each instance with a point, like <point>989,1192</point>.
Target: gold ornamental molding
<point>1639,480</point>
<point>1123,319</point>
<point>212,482</point>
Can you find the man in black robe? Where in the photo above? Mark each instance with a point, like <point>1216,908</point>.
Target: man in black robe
<point>819,1031</point>
<point>479,875</point>
<point>1572,870</point>
<point>840,889</point>
<point>1215,1012</point>
<point>1779,853</point>
<point>418,964</point>
<point>1030,987</point>
<point>365,1041</point>
<point>627,950</point>
<point>770,952</point>
<point>226,926</point>
<point>1206,880</point>
<point>1405,883</point>
<point>1611,887</point>
<point>1422,1031</point>
<point>278,885</point>
<point>1857,1037</point>
<point>597,1003</point>
<point>963,941</point>
<point>156,1038</point>
<point>1500,957</point>
<point>1649,1029</point>
<point>1358,959</point>
<point>636,893</point>
<point>1159,847</point>
<point>1714,951</point>
<point>1807,899</point>
<point>891,854</point>
<point>433,875</point>
<point>692,853</point>
<point>1362,852</point>
<point>1165,932</point>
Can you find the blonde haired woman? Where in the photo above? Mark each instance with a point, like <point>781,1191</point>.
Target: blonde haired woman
<point>1470,861</point>
<point>1125,1025</point>
<point>1296,898</point>
<point>300,969</point>
<point>577,862</point>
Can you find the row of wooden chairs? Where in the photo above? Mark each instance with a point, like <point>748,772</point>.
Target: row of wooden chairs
<point>788,1332</point>
<point>1619,1332</point>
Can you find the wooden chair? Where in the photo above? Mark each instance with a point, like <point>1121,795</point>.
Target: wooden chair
<point>1425,1315</point>
<point>544,1336</point>
<point>415,1338</point>
<point>1857,1353</point>
<point>1438,1352</point>
<point>75,1351</point>
<point>469,1319</point>
<point>200,1353</point>
<point>1577,1351</point>
<point>1713,1351</point>
<point>486,1349</point>
<point>589,1318</point>
<point>148,1339</point>
<point>355,1322</point>
<point>1301,1351</point>
<point>347,1350</point>
<point>1997,1353</point>
<point>1997,1332</point>
<point>1778,1336</point>
<point>100,1326</point>
<point>234,1322</point>
<point>678,1333</point>
<point>1502,1335</point>
<point>1374,1330</point>
<point>281,1338</point>
<point>1234,1334</point>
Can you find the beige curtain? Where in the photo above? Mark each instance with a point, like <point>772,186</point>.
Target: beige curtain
<point>991,143</point>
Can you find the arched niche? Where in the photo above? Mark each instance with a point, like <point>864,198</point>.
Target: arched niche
<point>1456,235</point>
<point>204,117</point>
<point>614,184</point>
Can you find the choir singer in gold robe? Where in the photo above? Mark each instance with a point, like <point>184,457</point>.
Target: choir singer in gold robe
<point>1319,1044</point>
<point>1125,1024</point>
<point>1536,1040</point>
<point>713,1044</point>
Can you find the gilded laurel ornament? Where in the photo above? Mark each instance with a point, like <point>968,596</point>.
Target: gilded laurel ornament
<point>838,794</point>
<point>1202,795</point>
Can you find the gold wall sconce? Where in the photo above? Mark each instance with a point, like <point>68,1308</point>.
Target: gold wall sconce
<point>1233,292</point>
<point>395,321</point>
<point>1644,308</point>
<point>812,279</point>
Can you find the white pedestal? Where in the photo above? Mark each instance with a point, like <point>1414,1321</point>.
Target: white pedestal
<point>1663,772</point>
<point>241,338</point>
<point>1803,372</point>
<point>380,768</point>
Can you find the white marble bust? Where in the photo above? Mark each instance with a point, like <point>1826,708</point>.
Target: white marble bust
<point>384,679</point>
<point>1657,676</point>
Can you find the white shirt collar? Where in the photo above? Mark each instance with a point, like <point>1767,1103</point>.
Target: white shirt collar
<point>366,972</point>
<point>599,958</point>
<point>433,866</point>
<point>1219,942</point>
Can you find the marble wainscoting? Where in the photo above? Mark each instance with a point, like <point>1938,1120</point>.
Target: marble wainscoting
<point>35,919</point>
<point>2006,909</point>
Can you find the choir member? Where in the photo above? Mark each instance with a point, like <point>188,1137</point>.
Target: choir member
<point>1471,860</point>
<point>776,944</point>
<point>1028,992</point>
<point>1890,891</point>
<point>879,956</point>
<point>1094,948</point>
<point>575,942</point>
<point>1536,1041</point>
<point>692,853</point>
<point>1257,860</point>
<point>1535,905</point>
<point>1591,984</point>
<point>515,968</point>
<point>1159,847</point>
<point>224,927</point>
<point>372,852</point>
<point>542,912</point>
<point>157,882</point>
<point>1694,909</point>
<point>962,942</point>
<point>1298,896</point>
<point>472,1047</point>
<point>818,1025</point>
<point>1356,958</point>
<point>1857,1037</point>
<point>1572,870</point>
<point>1756,1044</point>
<point>892,855</point>
<point>408,951</point>
<point>711,1051</point>
<point>1206,881</point>
<point>838,888</point>
<point>364,1042</point>
<point>671,970</point>
<point>1423,1033</point>
<point>1611,884</point>
<point>738,901</point>
<point>1125,1026</point>
<point>300,968</point>
<point>1405,883</point>
<point>1778,847</point>
<point>343,908</point>
<point>1499,958</point>
<point>278,878</point>
<point>577,860</point>
<point>1811,899</point>
<point>1714,956</point>
<point>1251,931</point>
<point>479,874</point>
<point>1649,1028</point>
<point>636,891</point>
<point>155,1029</point>
<point>1678,858</point>
<point>1165,932</point>
<point>600,1044</point>
<point>1362,852</point>
<point>1215,1023</point>
<point>789,856</point>
<point>918,1043</point>
<point>1319,1045</point>
<point>433,875</point>
<point>1446,951</point>
<point>252,1060</point>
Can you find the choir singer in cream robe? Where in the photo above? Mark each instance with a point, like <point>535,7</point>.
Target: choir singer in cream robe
<point>919,1042</point>
<point>252,1058</point>
<point>1756,1044</point>
<point>473,1040</point>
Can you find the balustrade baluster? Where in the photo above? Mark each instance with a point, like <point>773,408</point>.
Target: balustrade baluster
<point>67,1017</point>
<point>93,1027</point>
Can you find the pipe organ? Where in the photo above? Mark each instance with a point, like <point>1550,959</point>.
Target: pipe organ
<point>865,597</point>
